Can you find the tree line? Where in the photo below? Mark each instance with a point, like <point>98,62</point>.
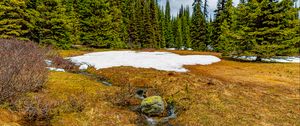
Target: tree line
<point>262,28</point>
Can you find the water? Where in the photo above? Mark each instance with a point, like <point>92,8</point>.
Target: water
<point>98,78</point>
<point>152,121</point>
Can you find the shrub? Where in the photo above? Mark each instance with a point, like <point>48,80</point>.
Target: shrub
<point>65,64</point>
<point>22,68</point>
<point>37,110</point>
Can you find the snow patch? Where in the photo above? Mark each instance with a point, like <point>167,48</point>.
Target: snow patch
<point>278,59</point>
<point>48,62</point>
<point>83,67</point>
<point>55,69</point>
<point>158,60</point>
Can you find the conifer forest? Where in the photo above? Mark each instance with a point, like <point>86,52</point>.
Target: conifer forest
<point>262,28</point>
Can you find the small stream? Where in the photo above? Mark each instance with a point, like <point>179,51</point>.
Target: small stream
<point>140,94</point>
<point>101,79</point>
<point>154,121</point>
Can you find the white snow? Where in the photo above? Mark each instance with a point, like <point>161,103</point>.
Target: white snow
<point>83,67</point>
<point>48,62</point>
<point>158,60</point>
<point>283,59</point>
<point>278,59</point>
<point>55,69</point>
<point>170,49</point>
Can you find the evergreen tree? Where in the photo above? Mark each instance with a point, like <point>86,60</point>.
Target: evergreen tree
<point>270,28</point>
<point>217,25</point>
<point>52,24</point>
<point>209,35</point>
<point>198,35</point>
<point>154,15</point>
<point>205,9</point>
<point>132,29</point>
<point>242,1</point>
<point>97,24</point>
<point>14,22</point>
<point>126,6</point>
<point>149,37</point>
<point>186,28</point>
<point>169,35</point>
<point>162,28</point>
<point>116,24</point>
<point>178,33</point>
<point>73,20</point>
<point>140,25</point>
<point>226,41</point>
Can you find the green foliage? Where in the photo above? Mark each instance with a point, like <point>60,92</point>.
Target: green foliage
<point>14,21</point>
<point>198,29</point>
<point>268,29</point>
<point>162,28</point>
<point>96,23</point>
<point>186,28</point>
<point>169,33</point>
<point>262,28</point>
<point>52,24</point>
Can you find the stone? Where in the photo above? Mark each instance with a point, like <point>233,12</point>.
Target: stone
<point>153,105</point>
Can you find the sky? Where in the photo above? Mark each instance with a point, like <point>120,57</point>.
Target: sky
<point>212,4</point>
<point>176,4</point>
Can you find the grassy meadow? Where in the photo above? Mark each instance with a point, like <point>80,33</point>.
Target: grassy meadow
<point>225,93</point>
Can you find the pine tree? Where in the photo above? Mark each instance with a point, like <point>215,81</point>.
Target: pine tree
<point>132,29</point>
<point>226,39</point>
<point>178,33</point>
<point>205,9</point>
<point>14,22</point>
<point>270,28</point>
<point>51,25</point>
<point>97,24</point>
<point>169,33</point>
<point>126,12</point>
<point>73,20</point>
<point>149,36</point>
<point>116,24</point>
<point>154,15</point>
<point>162,28</point>
<point>140,23</point>
<point>219,19</point>
<point>242,1</point>
<point>209,35</point>
<point>33,16</point>
<point>198,35</point>
<point>186,28</point>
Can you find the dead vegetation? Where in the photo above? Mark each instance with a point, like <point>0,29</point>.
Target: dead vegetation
<point>22,68</point>
<point>225,93</point>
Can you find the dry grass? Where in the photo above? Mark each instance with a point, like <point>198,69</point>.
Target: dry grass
<point>225,93</point>
<point>8,118</point>
<point>75,100</point>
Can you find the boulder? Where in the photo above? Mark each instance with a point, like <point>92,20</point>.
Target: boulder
<point>153,105</point>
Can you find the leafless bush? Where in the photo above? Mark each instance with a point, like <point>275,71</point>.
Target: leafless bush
<point>37,110</point>
<point>22,68</point>
<point>60,62</point>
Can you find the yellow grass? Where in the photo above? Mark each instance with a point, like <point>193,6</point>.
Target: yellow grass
<point>224,93</point>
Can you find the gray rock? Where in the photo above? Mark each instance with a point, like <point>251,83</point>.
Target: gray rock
<point>153,105</point>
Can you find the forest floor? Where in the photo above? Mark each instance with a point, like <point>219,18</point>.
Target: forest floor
<point>224,93</point>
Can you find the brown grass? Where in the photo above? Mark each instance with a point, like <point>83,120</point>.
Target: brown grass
<point>225,93</point>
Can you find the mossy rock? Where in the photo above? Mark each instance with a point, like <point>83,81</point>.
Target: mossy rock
<point>153,105</point>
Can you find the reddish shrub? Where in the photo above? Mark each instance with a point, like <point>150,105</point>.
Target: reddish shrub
<point>22,68</point>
